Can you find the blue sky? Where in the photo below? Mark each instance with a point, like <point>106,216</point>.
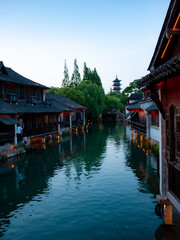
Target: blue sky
<point>117,37</point>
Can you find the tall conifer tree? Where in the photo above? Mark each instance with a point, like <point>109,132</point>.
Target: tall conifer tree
<point>86,73</point>
<point>76,77</point>
<point>65,81</point>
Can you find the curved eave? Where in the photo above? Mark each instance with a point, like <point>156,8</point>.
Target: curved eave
<point>165,71</point>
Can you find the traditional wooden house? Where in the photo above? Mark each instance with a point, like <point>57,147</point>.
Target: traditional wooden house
<point>143,116</point>
<point>24,101</point>
<point>77,117</point>
<point>134,97</point>
<point>163,83</point>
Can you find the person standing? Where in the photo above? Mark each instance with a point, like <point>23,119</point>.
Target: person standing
<point>19,133</point>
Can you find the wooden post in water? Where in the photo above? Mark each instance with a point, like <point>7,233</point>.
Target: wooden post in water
<point>15,134</point>
<point>168,214</point>
<point>59,124</point>
<point>70,121</point>
<point>84,120</point>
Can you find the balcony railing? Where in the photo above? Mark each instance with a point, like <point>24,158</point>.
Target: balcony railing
<point>6,137</point>
<point>138,126</point>
<point>174,179</point>
<point>37,131</point>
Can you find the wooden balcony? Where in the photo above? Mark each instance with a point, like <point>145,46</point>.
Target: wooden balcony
<point>6,137</point>
<point>138,127</point>
<point>38,131</point>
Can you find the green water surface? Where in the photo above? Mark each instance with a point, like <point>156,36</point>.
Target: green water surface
<point>96,185</point>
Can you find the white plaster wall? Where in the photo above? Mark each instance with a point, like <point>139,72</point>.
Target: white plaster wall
<point>128,132</point>
<point>154,133</point>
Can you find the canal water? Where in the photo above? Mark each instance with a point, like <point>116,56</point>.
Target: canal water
<point>96,185</point>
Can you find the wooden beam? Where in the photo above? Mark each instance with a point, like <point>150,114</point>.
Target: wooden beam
<point>172,135</point>
<point>170,32</point>
<point>155,98</point>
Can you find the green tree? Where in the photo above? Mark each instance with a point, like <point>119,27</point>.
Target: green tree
<point>72,93</point>
<point>94,99</point>
<point>95,78</point>
<point>76,77</point>
<point>132,88</point>
<point>65,81</point>
<point>113,102</point>
<point>90,76</point>
<point>52,90</point>
<point>86,73</point>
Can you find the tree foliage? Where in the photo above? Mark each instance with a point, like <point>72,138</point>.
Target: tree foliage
<point>132,88</point>
<point>76,77</point>
<point>115,100</point>
<point>53,90</point>
<point>90,93</point>
<point>65,81</point>
<point>72,93</point>
<point>91,76</point>
<point>94,99</point>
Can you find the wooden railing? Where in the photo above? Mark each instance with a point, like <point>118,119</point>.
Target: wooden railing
<point>138,126</point>
<point>6,137</point>
<point>37,131</point>
<point>174,179</point>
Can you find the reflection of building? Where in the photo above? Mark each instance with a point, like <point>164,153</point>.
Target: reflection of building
<point>117,85</point>
<point>144,165</point>
<point>163,84</point>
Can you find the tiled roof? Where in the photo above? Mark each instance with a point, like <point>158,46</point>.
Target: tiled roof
<point>24,107</point>
<point>169,69</point>
<point>133,106</point>
<point>8,120</point>
<point>15,77</point>
<point>169,22</point>
<point>117,80</point>
<point>65,101</point>
<point>116,84</point>
<point>116,88</point>
<point>136,96</point>
<point>153,107</point>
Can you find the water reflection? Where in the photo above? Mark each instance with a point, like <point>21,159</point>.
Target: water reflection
<point>144,167</point>
<point>147,171</point>
<point>25,178</point>
<point>78,159</point>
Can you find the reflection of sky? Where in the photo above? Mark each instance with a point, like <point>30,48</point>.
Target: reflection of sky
<point>93,191</point>
<point>116,37</point>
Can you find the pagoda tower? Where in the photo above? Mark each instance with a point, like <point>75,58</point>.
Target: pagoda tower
<point>116,85</point>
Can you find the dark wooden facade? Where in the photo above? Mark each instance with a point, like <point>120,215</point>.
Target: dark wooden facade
<point>78,114</point>
<point>24,101</point>
<point>164,78</point>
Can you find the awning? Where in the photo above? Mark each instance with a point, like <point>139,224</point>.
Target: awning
<point>8,121</point>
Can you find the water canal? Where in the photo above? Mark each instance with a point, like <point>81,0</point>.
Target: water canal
<point>97,185</point>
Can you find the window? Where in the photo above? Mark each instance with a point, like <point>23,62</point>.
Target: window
<point>50,118</point>
<point>155,118</point>
<point>46,119</point>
